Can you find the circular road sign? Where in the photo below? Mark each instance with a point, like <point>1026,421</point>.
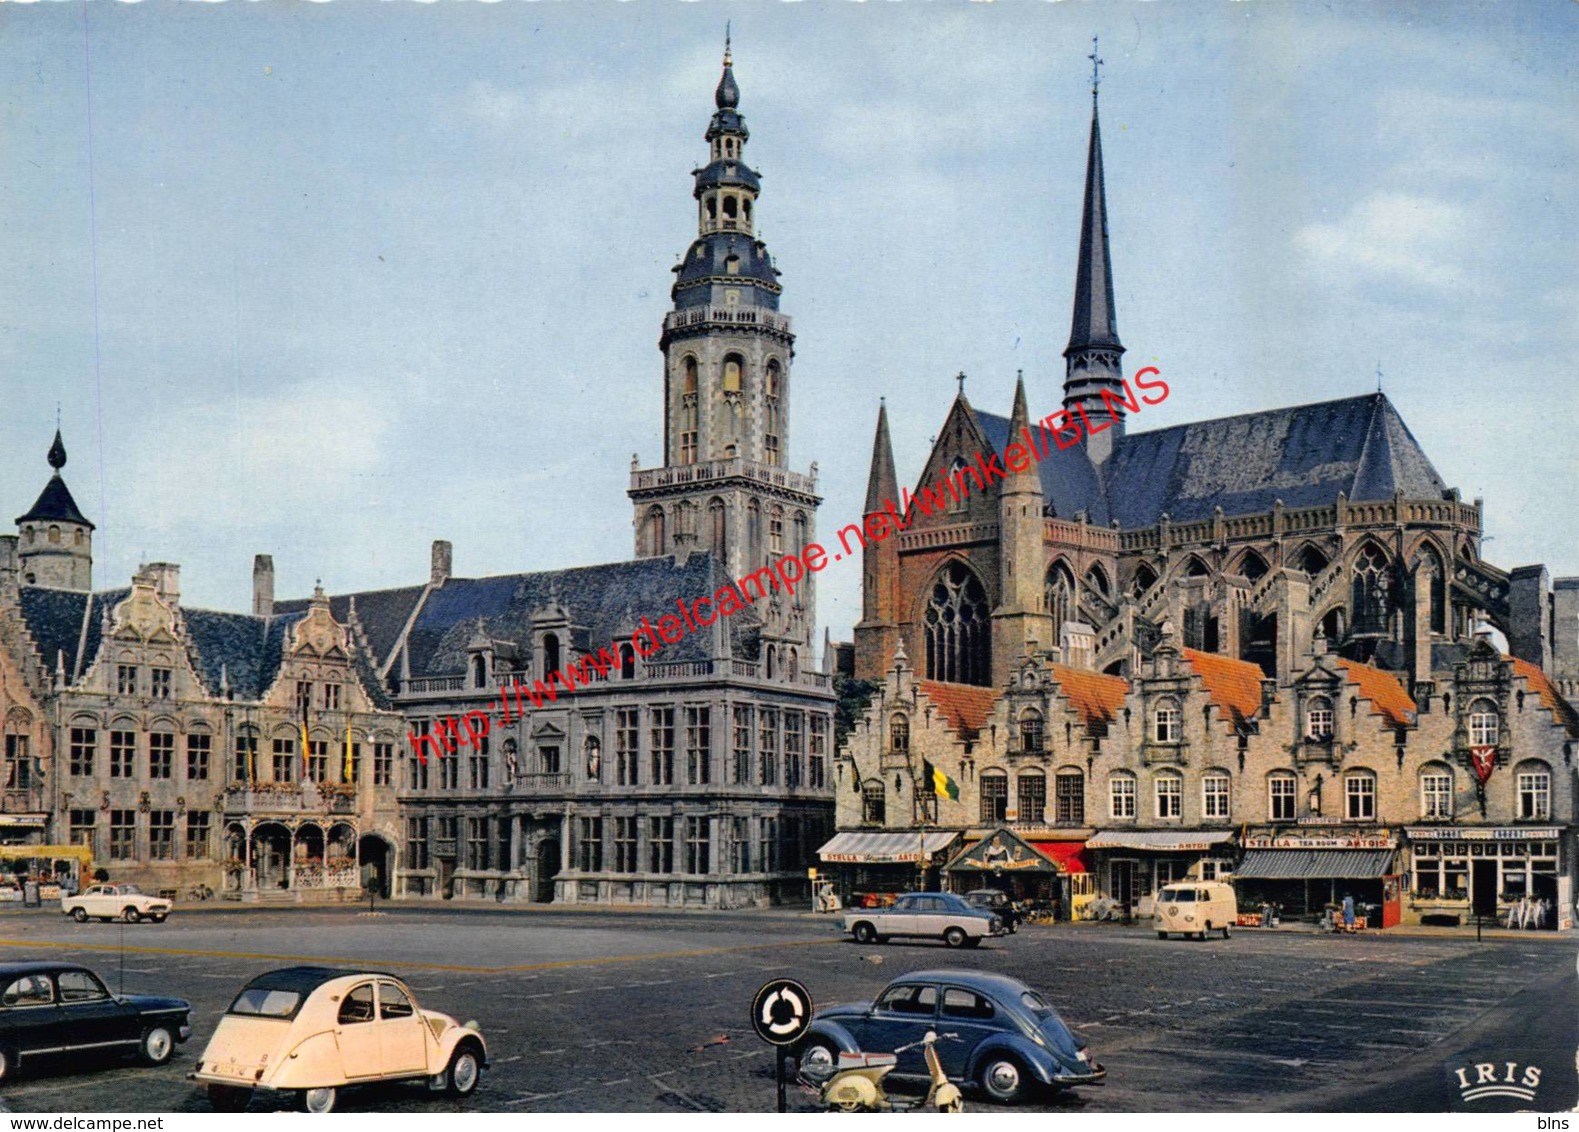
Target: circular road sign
<point>781,1012</point>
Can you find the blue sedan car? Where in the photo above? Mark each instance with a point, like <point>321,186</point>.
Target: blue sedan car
<point>1009,1040</point>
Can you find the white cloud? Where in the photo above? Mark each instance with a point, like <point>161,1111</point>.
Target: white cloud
<point>1395,235</point>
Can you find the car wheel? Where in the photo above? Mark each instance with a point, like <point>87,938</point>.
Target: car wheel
<point>464,1072</point>
<point>317,1100</point>
<point>1226,930</point>
<point>819,1054</point>
<point>228,1098</point>
<point>130,914</point>
<point>80,915</point>
<point>1003,1079</point>
<point>955,937</point>
<point>976,942</point>
<point>864,933</point>
<point>1162,935</point>
<point>157,919</point>
<point>158,1044</point>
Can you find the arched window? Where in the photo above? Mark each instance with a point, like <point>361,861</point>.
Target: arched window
<point>874,802</point>
<point>734,367</point>
<point>794,665</point>
<point>799,545</point>
<point>994,786</point>
<point>1121,795</point>
<point>1096,579</point>
<point>1311,560</point>
<point>1166,720</point>
<point>54,534</point>
<point>1359,796</point>
<point>1252,567</point>
<point>772,662</point>
<point>688,379</point>
<point>1031,794</point>
<point>1533,782</point>
<point>688,416</point>
<point>958,632</point>
<point>550,654</point>
<point>1373,583</point>
<point>1069,797</point>
<point>627,662</point>
<point>1145,578</point>
<point>1436,791</point>
<point>772,415</point>
<point>1032,731</point>
<point>1169,793</point>
<point>717,528</point>
<point>1058,597</point>
<point>479,671</point>
<point>19,770</point>
<point>1431,577</point>
<point>1195,568</point>
<point>1282,791</point>
<point>1484,724</point>
<point>776,532</point>
<point>1318,719</point>
<point>655,539</point>
<point>1215,796</point>
<point>899,732</point>
<point>774,373</point>
<point>753,534</point>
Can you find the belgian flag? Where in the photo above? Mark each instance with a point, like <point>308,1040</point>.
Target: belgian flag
<point>936,782</point>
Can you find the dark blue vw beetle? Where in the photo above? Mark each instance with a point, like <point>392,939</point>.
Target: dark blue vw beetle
<point>1008,1039</point>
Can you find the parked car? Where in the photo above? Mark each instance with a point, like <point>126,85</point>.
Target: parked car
<point>999,903</point>
<point>115,901</point>
<point>1195,907</point>
<point>939,915</point>
<point>1009,1039</point>
<point>50,1010</point>
<point>312,1031</point>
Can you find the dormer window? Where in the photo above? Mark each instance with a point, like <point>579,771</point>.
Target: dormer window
<point>1166,719</point>
<point>899,732</point>
<point>1318,720</point>
<point>1484,724</point>
<point>1032,731</point>
<point>550,654</point>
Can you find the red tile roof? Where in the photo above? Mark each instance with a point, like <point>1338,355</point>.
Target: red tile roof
<point>1233,685</point>
<point>1386,694</point>
<point>965,707</point>
<point>1550,699</point>
<point>1097,696</point>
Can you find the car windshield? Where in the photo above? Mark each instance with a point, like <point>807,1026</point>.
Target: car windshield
<point>1179,895</point>
<point>263,1002</point>
<point>130,890</point>
<point>1039,1006</point>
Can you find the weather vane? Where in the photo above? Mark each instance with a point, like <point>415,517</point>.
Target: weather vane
<point>726,42</point>
<point>1378,377</point>
<point>1096,61</point>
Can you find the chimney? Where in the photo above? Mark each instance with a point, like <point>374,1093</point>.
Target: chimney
<point>167,580</point>
<point>443,554</point>
<point>263,585</point>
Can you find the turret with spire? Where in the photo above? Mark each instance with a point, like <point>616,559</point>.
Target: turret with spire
<point>726,390</point>
<point>55,539</point>
<point>1093,356</point>
<point>1019,618</point>
<point>877,634</point>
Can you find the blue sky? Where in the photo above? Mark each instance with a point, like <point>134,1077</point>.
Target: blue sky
<point>370,274</point>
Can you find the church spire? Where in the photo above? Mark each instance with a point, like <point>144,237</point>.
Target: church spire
<point>1092,359</point>
<point>881,483</point>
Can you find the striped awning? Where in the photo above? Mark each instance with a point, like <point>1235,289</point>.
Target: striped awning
<point>1314,864</point>
<point>1161,840</point>
<point>856,847</point>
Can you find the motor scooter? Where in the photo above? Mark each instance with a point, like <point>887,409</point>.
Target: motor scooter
<point>855,1083</point>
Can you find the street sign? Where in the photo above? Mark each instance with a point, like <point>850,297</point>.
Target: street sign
<point>781,1012</point>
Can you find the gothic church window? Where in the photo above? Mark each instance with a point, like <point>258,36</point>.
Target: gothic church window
<point>1311,560</point>
<point>772,415</point>
<point>1145,578</point>
<point>1372,590</point>
<point>718,528</point>
<point>753,534</point>
<point>1434,578</point>
<point>776,532</point>
<point>656,536</point>
<point>957,628</point>
<point>1252,567</point>
<point>688,413</point>
<point>1058,595</point>
<point>1096,579</point>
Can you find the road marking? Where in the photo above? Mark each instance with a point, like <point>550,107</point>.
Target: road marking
<point>554,966</point>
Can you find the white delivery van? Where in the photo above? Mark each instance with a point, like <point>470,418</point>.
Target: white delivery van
<point>1195,907</point>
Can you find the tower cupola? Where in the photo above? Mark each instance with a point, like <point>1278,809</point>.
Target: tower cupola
<point>54,538</point>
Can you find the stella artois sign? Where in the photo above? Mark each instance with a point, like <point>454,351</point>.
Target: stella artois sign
<point>1484,760</point>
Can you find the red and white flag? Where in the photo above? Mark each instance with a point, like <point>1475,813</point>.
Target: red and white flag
<point>1484,760</point>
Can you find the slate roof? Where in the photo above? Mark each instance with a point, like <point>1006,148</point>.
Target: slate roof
<point>603,603</point>
<point>55,505</point>
<point>247,648</point>
<point>1387,695</point>
<point>1304,455</point>
<point>1233,685</point>
<point>965,707</point>
<point>54,619</point>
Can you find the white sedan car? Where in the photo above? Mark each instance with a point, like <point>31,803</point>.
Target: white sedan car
<point>115,901</point>
<point>940,915</point>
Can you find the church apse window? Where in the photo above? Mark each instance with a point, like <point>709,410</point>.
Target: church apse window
<point>1372,589</point>
<point>1058,595</point>
<point>1434,578</point>
<point>1096,580</point>
<point>957,628</point>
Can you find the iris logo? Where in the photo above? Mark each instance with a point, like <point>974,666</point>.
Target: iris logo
<point>1485,1079</point>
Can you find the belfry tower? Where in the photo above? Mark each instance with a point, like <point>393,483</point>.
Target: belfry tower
<point>724,485</point>
<point>55,538</point>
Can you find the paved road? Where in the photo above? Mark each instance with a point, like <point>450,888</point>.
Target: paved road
<point>647,1011</point>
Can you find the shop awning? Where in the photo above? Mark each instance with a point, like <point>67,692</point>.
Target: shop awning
<point>860,848</point>
<point>1067,855</point>
<point>1314,864</point>
<point>1161,840</point>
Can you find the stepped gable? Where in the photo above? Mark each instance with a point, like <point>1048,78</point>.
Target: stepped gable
<point>382,615</point>
<point>603,603</point>
<point>1550,699</point>
<point>1304,455</point>
<point>965,707</point>
<point>54,621</point>
<point>1387,695</point>
<point>1233,685</point>
<point>1097,696</point>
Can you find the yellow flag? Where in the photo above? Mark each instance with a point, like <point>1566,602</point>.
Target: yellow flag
<point>305,773</point>
<point>349,770</point>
